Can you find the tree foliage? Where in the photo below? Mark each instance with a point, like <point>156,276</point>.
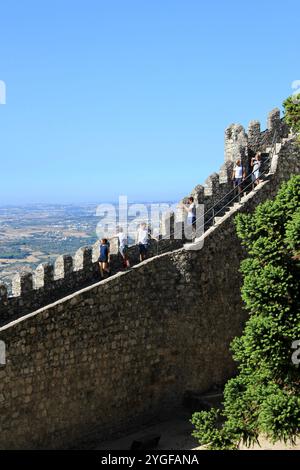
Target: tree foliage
<point>292,112</point>
<point>264,397</point>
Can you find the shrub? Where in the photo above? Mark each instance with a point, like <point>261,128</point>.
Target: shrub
<point>264,397</point>
<point>292,112</point>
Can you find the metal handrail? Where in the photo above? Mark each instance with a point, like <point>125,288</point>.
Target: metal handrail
<point>238,195</point>
<point>236,188</point>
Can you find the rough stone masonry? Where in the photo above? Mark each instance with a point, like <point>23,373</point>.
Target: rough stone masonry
<point>116,353</point>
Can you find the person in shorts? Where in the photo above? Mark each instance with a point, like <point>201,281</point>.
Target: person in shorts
<point>103,259</point>
<point>190,208</point>
<point>142,239</point>
<point>123,246</point>
<point>255,165</point>
<point>238,175</point>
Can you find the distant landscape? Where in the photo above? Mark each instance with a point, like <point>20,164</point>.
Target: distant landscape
<point>33,234</point>
<point>38,233</point>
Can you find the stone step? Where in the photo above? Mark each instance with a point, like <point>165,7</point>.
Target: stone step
<point>222,212</point>
<point>227,209</point>
<point>277,148</point>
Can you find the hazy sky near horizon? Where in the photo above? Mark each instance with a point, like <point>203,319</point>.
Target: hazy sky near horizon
<point>132,97</point>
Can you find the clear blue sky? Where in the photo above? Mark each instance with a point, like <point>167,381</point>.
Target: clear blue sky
<point>132,97</point>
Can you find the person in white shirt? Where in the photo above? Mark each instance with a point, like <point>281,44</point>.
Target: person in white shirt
<point>256,164</point>
<point>123,246</point>
<point>238,175</point>
<point>143,236</point>
<point>190,208</point>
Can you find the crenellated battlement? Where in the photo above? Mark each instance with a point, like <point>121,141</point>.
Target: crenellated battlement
<point>243,145</point>
<point>49,282</point>
<point>131,346</point>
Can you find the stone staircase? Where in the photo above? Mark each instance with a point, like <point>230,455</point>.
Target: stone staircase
<point>70,273</point>
<point>238,202</point>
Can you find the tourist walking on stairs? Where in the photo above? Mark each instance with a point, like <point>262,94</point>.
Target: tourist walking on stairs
<point>123,246</point>
<point>255,165</point>
<point>104,257</point>
<point>190,208</point>
<point>238,175</point>
<point>143,236</point>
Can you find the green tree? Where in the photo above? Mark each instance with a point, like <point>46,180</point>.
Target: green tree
<point>264,397</point>
<point>292,112</point>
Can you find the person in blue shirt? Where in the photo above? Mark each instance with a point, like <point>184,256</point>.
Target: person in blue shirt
<point>104,257</point>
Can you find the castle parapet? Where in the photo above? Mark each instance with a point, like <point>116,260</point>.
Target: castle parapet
<point>43,275</point>
<point>225,173</point>
<point>49,283</point>
<point>63,266</point>
<point>211,185</point>
<point>83,259</point>
<point>254,138</point>
<point>242,145</point>
<point>3,294</point>
<point>22,283</point>
<point>274,120</point>
<point>198,194</point>
<point>236,143</point>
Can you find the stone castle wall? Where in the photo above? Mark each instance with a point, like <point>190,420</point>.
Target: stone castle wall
<point>48,282</point>
<point>119,352</point>
<point>239,144</point>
